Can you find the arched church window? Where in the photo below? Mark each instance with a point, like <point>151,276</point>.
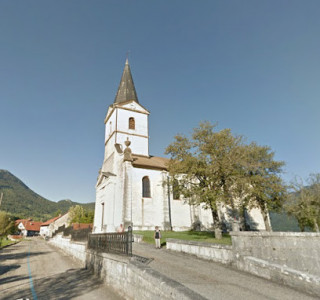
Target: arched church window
<point>146,187</point>
<point>176,190</point>
<point>132,124</point>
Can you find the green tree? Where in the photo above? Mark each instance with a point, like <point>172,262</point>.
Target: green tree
<point>304,202</point>
<point>209,162</point>
<point>217,167</point>
<point>7,225</point>
<point>263,186</point>
<point>80,215</point>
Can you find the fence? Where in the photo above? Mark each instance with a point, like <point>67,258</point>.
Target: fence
<point>119,243</point>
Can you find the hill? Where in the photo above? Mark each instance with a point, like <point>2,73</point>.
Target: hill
<point>22,202</point>
<point>281,221</point>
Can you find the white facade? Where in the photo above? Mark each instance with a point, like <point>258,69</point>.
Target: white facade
<point>119,189</point>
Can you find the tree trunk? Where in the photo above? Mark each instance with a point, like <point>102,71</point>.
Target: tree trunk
<point>266,219</point>
<point>316,226</point>
<point>215,216</point>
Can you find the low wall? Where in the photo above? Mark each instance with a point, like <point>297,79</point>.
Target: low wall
<point>127,277</point>
<point>134,280</point>
<point>290,258</point>
<point>299,251</point>
<point>307,283</point>
<point>76,249</point>
<point>218,253</point>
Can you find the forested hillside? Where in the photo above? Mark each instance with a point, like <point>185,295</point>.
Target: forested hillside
<point>22,202</point>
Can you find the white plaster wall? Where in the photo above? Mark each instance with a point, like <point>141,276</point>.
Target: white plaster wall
<point>181,215</point>
<point>110,192</point>
<point>255,219</point>
<point>44,230</point>
<point>147,212</point>
<point>110,125</point>
<point>141,122</point>
<point>139,145</point>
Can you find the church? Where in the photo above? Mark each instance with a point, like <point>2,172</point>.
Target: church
<point>132,187</point>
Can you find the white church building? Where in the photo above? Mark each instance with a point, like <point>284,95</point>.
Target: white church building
<point>131,188</point>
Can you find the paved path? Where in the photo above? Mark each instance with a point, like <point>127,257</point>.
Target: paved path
<point>35,270</point>
<point>213,280</point>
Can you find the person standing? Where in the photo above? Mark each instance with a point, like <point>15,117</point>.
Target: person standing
<point>120,228</point>
<point>157,237</point>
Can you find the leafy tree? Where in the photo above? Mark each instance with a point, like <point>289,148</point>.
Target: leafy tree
<point>217,167</point>
<point>58,213</point>
<point>263,186</point>
<point>7,225</point>
<point>304,202</point>
<point>209,162</point>
<point>80,215</point>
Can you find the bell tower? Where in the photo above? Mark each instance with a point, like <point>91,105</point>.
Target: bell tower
<point>126,119</point>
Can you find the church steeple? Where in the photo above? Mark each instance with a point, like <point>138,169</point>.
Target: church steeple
<point>126,90</point>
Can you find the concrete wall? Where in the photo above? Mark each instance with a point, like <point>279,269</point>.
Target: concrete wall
<point>299,251</point>
<point>289,258</point>
<point>134,280</point>
<point>214,252</point>
<point>129,278</point>
<point>76,249</point>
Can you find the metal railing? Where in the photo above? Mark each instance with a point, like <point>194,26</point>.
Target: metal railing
<point>119,243</point>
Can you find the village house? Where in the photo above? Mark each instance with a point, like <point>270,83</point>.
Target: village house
<point>50,226</point>
<point>28,227</point>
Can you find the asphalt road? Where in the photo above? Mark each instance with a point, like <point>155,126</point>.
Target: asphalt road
<point>36,270</point>
<point>213,280</point>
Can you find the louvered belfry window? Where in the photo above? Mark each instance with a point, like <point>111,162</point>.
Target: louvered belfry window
<point>146,187</point>
<point>132,124</point>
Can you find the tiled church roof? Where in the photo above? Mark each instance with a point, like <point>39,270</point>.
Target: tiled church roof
<point>151,162</point>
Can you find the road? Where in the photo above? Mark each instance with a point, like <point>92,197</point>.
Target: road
<point>36,270</point>
<point>213,280</point>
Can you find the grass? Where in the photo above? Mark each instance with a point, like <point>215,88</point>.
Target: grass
<point>4,242</point>
<point>198,236</point>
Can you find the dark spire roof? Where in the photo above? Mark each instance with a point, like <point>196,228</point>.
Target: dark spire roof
<point>126,90</point>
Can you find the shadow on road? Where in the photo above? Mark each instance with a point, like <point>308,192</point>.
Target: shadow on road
<point>67,285</point>
<point>5,269</point>
<point>11,279</point>
<point>20,255</point>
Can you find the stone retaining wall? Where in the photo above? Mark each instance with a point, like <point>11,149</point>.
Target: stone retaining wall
<point>76,249</point>
<point>127,277</point>
<point>289,258</point>
<point>218,253</point>
<point>296,250</point>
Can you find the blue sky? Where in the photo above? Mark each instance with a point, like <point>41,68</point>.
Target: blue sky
<point>252,66</point>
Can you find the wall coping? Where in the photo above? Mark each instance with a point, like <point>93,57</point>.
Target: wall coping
<point>273,233</point>
<point>200,244</point>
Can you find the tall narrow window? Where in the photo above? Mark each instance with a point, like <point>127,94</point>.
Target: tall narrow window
<point>146,187</point>
<point>132,124</point>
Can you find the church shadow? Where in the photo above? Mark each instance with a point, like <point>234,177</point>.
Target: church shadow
<point>67,285</point>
